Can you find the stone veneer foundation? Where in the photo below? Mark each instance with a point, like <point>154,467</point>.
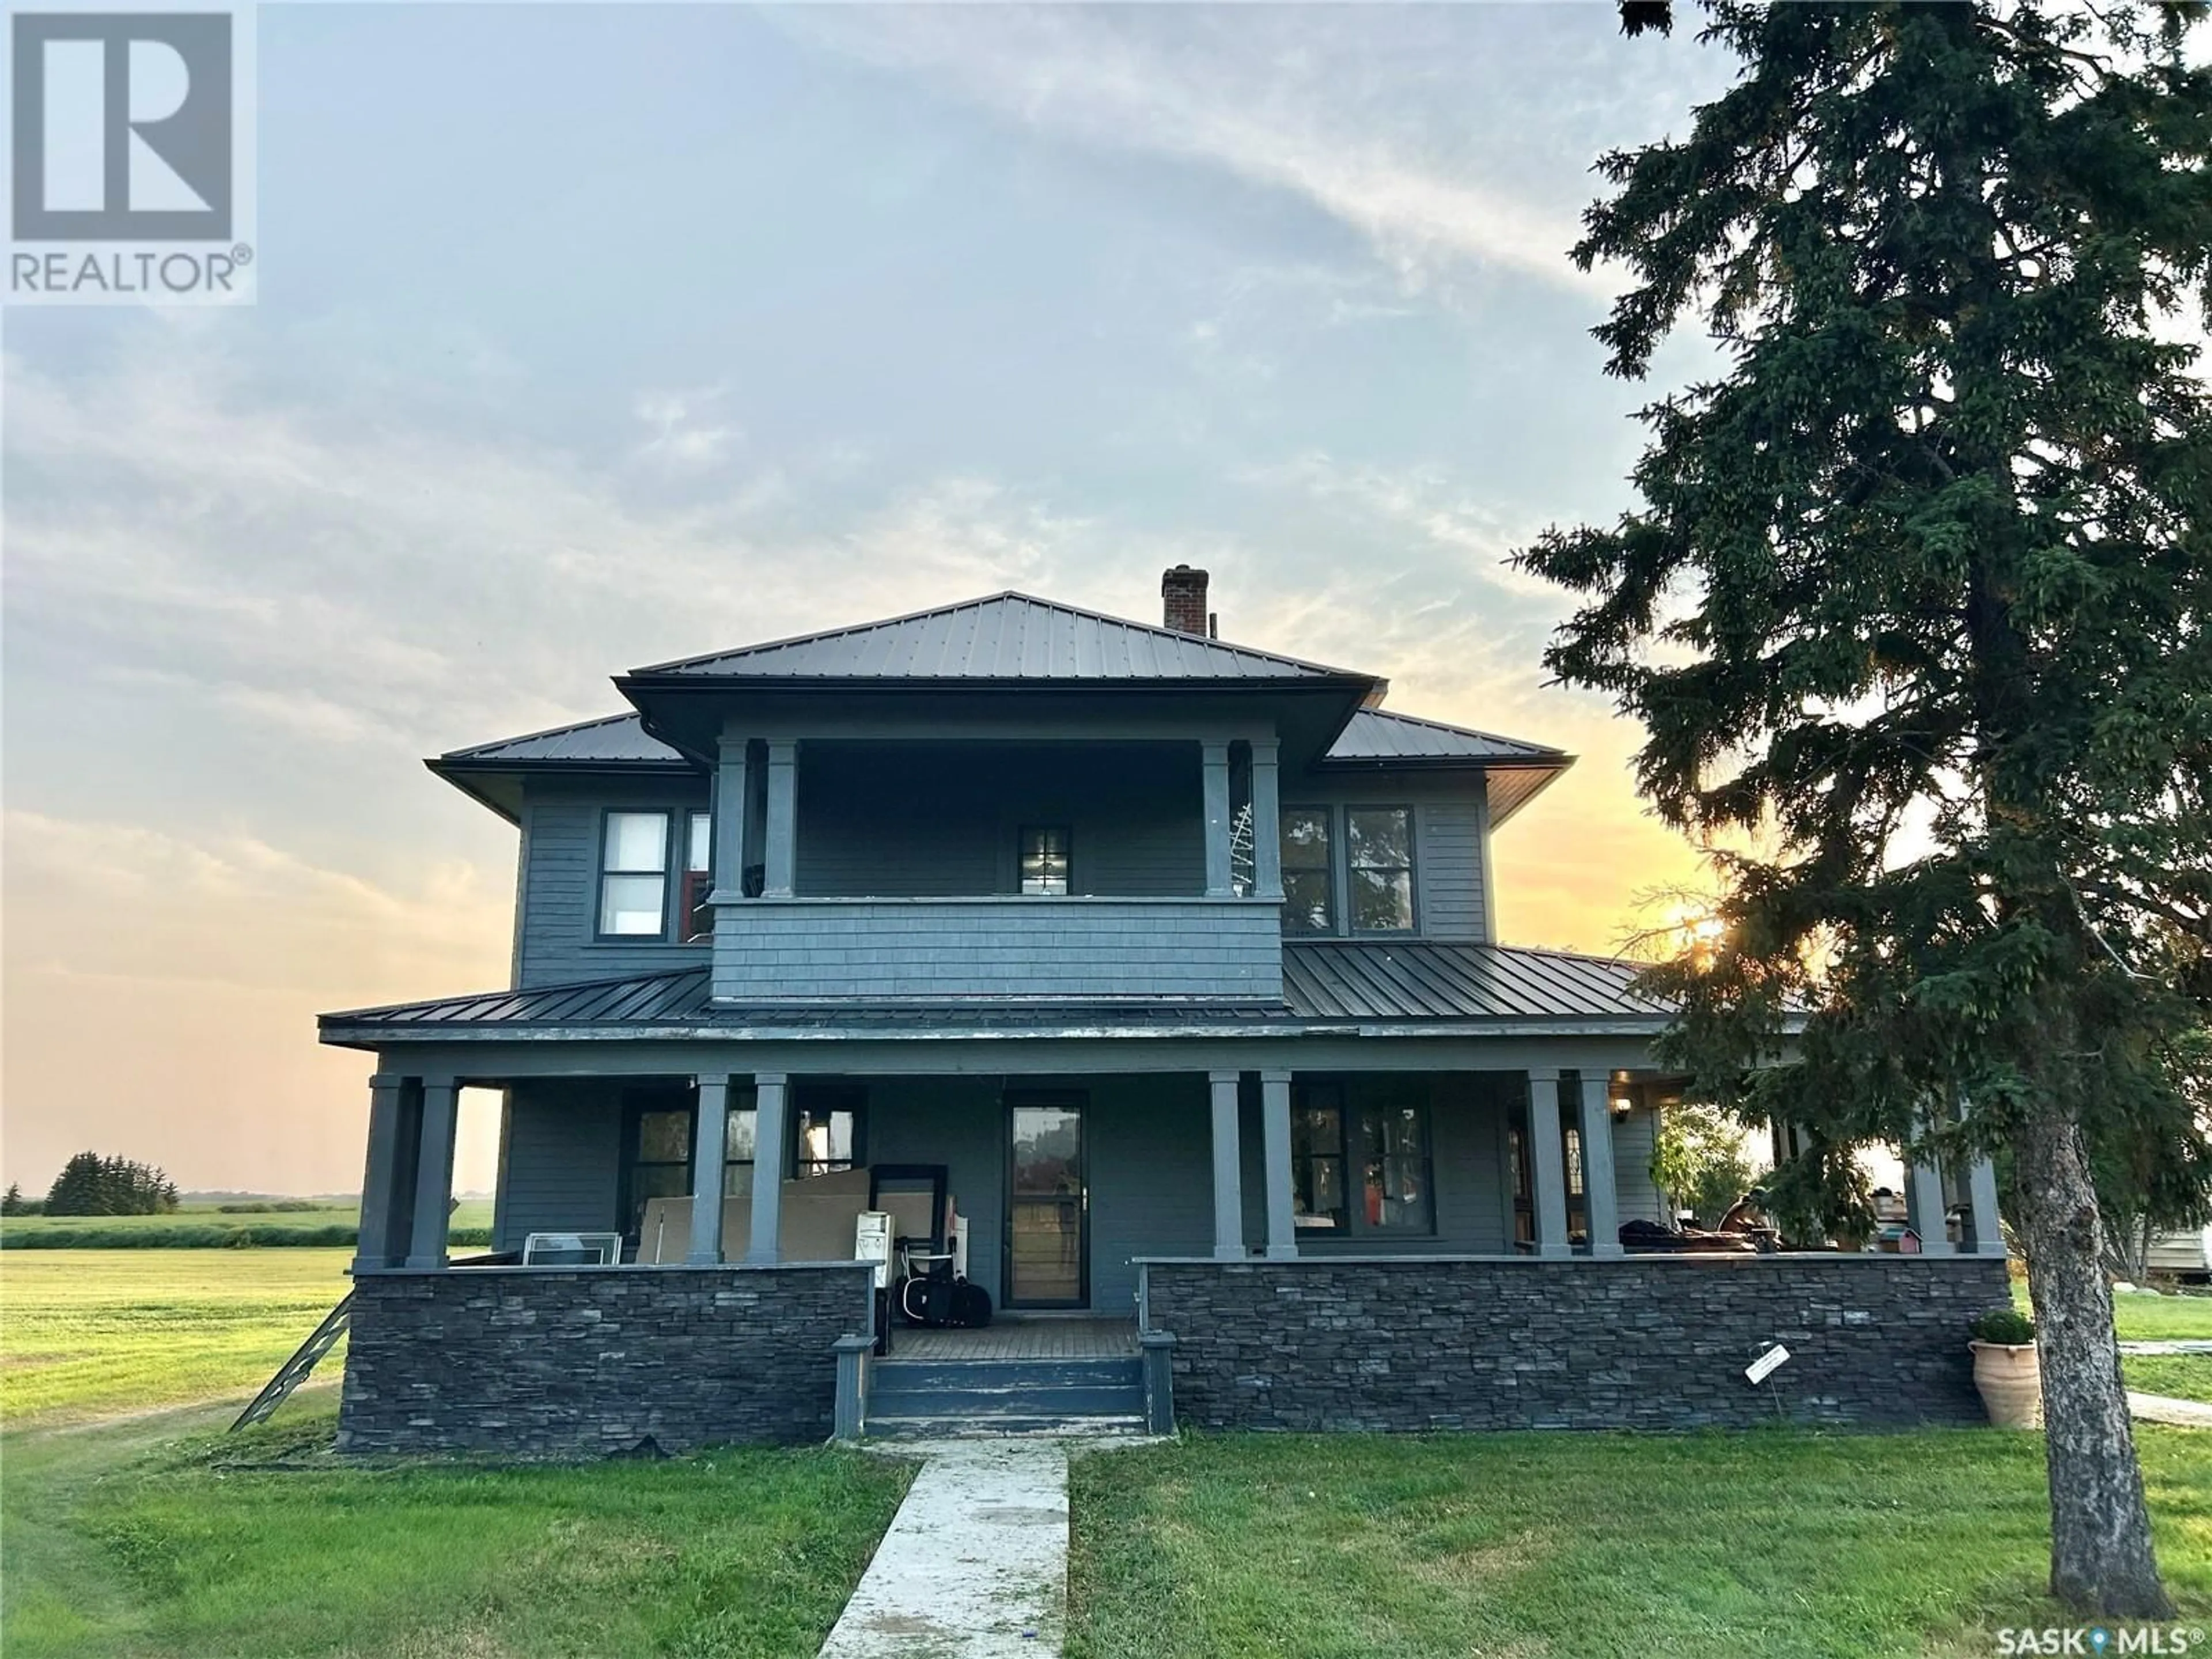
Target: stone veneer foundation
<point>549,1361</point>
<point>1640,1342</point>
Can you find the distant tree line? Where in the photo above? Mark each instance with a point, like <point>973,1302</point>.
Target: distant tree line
<point>92,1185</point>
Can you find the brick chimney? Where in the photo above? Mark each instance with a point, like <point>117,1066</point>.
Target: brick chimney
<point>1184,591</point>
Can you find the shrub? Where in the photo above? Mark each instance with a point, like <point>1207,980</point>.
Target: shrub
<point>2007,1327</point>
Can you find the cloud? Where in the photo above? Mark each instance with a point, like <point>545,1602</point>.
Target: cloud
<point>1293,114</point>
<point>685,435</point>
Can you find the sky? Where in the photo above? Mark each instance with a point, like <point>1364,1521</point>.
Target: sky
<point>596,336</point>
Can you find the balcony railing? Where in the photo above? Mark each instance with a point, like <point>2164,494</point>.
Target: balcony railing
<point>927,950</point>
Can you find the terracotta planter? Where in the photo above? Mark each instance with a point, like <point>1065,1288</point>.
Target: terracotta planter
<point>2011,1384</point>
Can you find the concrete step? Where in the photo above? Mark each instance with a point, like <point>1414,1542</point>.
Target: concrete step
<point>991,1425</point>
<point>1067,1399</point>
<point>898,1375</point>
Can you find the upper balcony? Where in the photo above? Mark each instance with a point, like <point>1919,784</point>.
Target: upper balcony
<point>932,872</point>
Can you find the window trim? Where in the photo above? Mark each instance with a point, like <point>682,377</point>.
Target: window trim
<point>669,816</point>
<point>635,1104</point>
<point>1327,810</point>
<point>1022,834</point>
<point>1412,870</point>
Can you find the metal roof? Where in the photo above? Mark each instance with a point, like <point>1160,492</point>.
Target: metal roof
<point>1004,636</point>
<point>1376,734</point>
<point>618,740</point>
<point>1428,979</point>
<point>1325,983</point>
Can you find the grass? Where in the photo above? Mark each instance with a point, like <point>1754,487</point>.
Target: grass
<point>1774,1543</point>
<point>213,1227</point>
<point>2178,1375</point>
<point>137,1539</point>
<point>85,1334</point>
<point>2142,1316</point>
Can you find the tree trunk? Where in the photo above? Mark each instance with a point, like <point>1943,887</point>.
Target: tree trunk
<point>2100,1549</point>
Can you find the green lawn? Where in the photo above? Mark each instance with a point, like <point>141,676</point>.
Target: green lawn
<point>1774,1543</point>
<point>2140,1317</point>
<point>2179,1376</point>
<point>87,1333</point>
<point>156,1538</point>
<point>209,1227</point>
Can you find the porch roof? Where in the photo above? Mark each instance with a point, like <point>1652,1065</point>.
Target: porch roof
<point>1415,985</point>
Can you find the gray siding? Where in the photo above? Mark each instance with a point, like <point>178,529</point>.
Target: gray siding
<point>561,1161</point>
<point>559,885</point>
<point>925,948</point>
<point>1447,844</point>
<point>945,821</point>
<point>1633,1145</point>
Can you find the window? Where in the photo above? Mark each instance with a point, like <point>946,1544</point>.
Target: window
<point>1045,860</point>
<point>659,1160</point>
<point>1383,1146</point>
<point>1379,850</point>
<point>825,1133</point>
<point>634,875</point>
<point>737,1143</point>
<point>1524,1188</point>
<point>695,916</point>
<point>1309,880</point>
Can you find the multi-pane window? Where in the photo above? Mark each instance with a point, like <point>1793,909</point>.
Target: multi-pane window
<point>1044,857</point>
<point>1361,1169</point>
<point>634,875</point>
<point>660,1160</point>
<point>1378,844</point>
<point>695,916</point>
<point>826,1133</point>
<point>1308,879</point>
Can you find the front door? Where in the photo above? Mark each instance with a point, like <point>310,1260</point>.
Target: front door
<point>1047,1206</point>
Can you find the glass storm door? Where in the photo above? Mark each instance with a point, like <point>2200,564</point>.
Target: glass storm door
<point>1046,1206</point>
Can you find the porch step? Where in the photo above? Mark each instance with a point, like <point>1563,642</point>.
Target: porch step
<point>919,1398</point>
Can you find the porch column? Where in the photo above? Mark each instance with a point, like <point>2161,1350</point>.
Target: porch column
<point>1924,1191</point>
<point>1213,759</point>
<point>1982,1207</point>
<point>1600,1195</point>
<point>1547,1164</point>
<point>707,1153</point>
<point>1275,1149</point>
<point>1266,822</point>
<point>782,819</point>
<point>730,819</point>
<point>1228,1168</point>
<point>434,1173</point>
<point>381,1177</point>
<point>766,1248</point>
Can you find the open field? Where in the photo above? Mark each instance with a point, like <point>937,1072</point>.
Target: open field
<point>1775,1543</point>
<point>157,1538</point>
<point>86,1334</point>
<point>207,1227</point>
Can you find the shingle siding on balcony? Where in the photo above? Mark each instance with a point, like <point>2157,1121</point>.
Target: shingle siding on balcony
<point>910,950</point>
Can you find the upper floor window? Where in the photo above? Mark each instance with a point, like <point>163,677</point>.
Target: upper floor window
<point>1379,850</point>
<point>1045,860</point>
<point>1309,871</point>
<point>695,915</point>
<point>634,876</point>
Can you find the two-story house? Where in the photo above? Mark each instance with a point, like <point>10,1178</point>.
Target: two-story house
<point>1169,964</point>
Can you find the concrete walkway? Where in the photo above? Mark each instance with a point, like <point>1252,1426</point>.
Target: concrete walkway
<point>2163,1408</point>
<point>2166,1347</point>
<point>974,1565</point>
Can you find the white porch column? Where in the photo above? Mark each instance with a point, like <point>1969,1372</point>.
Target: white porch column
<point>707,1153</point>
<point>1228,1170</point>
<point>1924,1191</point>
<point>1266,822</point>
<point>730,819</point>
<point>1547,1164</point>
<point>1600,1193</point>
<point>1275,1152</point>
<point>1982,1206</point>
<point>1213,759</point>
<point>381,1175</point>
<point>766,1248</point>
<point>433,1172</point>
<point>782,833</point>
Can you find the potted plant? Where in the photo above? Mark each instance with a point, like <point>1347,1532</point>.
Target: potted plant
<point>2005,1371</point>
